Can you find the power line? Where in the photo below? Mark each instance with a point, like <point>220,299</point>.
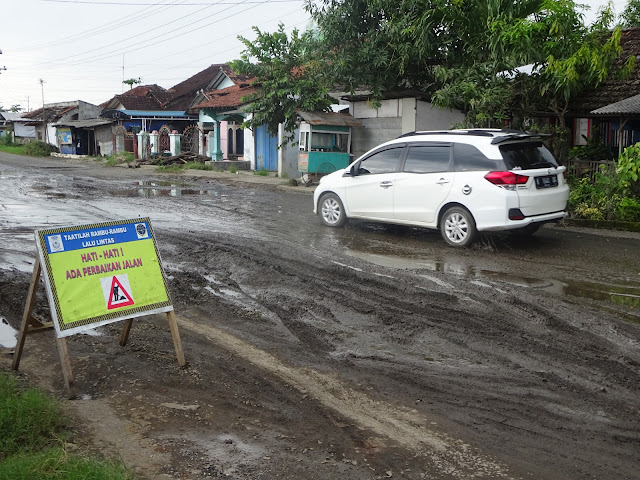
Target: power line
<point>154,4</point>
<point>155,40</point>
<point>109,26</point>
<point>128,39</point>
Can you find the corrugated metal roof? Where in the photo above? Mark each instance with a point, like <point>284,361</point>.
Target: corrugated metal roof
<point>330,118</point>
<point>627,106</point>
<point>14,117</point>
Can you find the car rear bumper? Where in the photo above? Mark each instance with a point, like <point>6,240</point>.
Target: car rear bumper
<point>513,224</point>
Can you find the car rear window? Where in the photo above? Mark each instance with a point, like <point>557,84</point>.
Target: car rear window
<point>468,158</point>
<point>527,156</point>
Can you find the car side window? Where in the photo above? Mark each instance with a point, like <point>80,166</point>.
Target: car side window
<point>427,159</point>
<point>385,161</point>
<point>468,158</point>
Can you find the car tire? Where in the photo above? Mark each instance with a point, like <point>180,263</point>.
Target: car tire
<point>457,227</point>
<point>526,231</point>
<point>331,210</point>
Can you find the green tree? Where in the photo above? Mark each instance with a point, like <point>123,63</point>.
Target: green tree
<point>630,17</point>
<point>132,81</point>
<point>288,76</point>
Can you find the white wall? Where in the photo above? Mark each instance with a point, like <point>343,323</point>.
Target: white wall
<point>249,145</point>
<point>430,117</point>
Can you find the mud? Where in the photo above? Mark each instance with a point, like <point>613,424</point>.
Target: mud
<point>365,352</point>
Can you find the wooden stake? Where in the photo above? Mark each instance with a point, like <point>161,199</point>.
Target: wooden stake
<point>124,336</point>
<point>28,310</point>
<point>30,325</point>
<point>175,335</point>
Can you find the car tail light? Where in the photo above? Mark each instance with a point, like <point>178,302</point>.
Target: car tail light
<point>506,180</point>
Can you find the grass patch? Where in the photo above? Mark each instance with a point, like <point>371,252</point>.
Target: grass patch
<point>57,464</point>
<point>39,149</point>
<point>118,158</point>
<point>262,172</point>
<point>15,149</point>
<point>233,169</point>
<point>32,423</point>
<point>197,166</point>
<point>29,419</point>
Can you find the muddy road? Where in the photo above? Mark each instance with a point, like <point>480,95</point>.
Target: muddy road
<point>358,353</point>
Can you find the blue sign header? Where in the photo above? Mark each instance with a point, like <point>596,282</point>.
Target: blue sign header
<point>96,237</point>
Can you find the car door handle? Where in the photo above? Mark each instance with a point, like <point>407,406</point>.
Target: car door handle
<point>443,181</point>
<point>386,184</point>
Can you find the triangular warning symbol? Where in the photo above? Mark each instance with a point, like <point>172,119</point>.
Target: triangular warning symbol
<point>118,296</point>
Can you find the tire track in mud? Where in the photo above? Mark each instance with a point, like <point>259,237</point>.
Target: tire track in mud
<point>447,456</point>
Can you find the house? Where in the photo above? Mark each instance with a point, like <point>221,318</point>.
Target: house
<point>52,124</point>
<point>398,113</point>
<point>220,117</point>
<point>611,110</point>
<point>160,112</point>
<point>144,108</point>
<point>14,124</point>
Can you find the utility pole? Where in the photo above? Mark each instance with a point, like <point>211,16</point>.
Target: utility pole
<point>44,116</point>
<point>2,68</point>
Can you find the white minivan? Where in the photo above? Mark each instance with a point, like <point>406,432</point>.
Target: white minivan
<point>458,181</point>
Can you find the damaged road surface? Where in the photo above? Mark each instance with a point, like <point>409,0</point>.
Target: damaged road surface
<point>366,352</point>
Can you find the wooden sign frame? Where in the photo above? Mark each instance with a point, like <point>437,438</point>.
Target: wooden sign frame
<point>31,324</point>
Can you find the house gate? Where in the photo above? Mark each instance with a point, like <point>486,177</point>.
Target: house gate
<point>190,141</point>
<point>164,141</point>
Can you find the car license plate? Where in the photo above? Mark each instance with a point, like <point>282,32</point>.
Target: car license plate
<point>547,181</point>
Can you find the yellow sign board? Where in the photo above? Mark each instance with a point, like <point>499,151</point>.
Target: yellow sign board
<point>102,273</point>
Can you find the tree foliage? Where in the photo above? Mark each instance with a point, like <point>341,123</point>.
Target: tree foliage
<point>132,81</point>
<point>288,74</point>
<point>466,53</point>
<point>630,16</point>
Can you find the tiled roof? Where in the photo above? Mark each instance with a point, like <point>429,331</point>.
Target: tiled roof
<point>613,90</point>
<point>227,98</point>
<point>184,92</point>
<point>235,77</point>
<point>144,97</point>
<point>51,113</point>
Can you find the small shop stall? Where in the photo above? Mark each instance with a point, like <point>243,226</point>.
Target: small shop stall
<point>324,142</point>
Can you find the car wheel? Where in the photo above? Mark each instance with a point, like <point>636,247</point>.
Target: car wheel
<point>458,227</point>
<point>526,231</point>
<point>332,211</point>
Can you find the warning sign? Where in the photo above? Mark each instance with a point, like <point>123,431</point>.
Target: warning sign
<point>102,273</point>
<point>116,291</point>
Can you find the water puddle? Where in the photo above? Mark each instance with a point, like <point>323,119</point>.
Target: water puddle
<point>8,334</point>
<point>628,296</point>
<point>149,189</point>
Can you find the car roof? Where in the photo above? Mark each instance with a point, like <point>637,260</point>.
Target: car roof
<point>496,135</point>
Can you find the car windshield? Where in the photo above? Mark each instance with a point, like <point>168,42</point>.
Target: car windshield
<point>527,156</point>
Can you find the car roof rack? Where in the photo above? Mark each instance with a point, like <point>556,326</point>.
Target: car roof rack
<point>498,135</point>
<point>478,132</point>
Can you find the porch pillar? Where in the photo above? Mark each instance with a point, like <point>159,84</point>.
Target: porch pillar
<point>153,139</point>
<point>144,149</point>
<point>216,151</point>
<point>174,143</point>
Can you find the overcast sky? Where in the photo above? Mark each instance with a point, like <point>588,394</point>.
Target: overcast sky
<point>83,49</point>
